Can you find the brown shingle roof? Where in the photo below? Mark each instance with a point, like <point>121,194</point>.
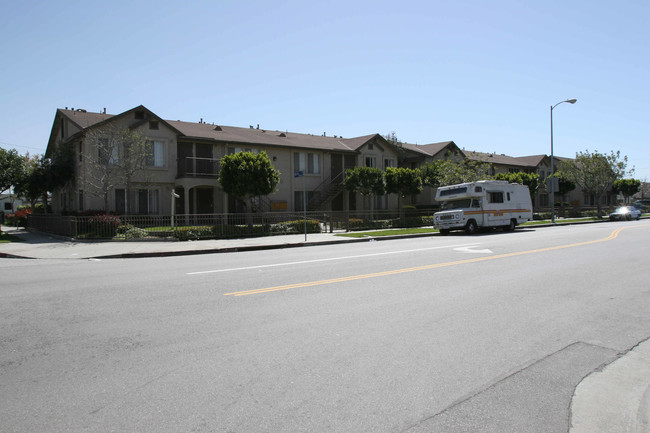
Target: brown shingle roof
<point>83,118</point>
<point>254,136</point>
<point>496,158</point>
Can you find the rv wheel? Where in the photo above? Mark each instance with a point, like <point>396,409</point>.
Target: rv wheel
<point>471,227</point>
<point>444,232</point>
<point>510,227</point>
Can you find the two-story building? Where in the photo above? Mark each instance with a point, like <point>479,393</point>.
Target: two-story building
<point>184,159</point>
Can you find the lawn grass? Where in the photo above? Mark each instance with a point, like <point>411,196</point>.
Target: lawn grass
<point>388,232</point>
<point>396,232</point>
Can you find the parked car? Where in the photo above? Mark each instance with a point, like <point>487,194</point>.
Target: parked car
<point>643,204</point>
<point>625,213</point>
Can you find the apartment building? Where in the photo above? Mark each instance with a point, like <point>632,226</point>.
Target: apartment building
<point>184,159</point>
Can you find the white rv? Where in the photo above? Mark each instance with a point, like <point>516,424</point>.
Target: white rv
<point>486,203</point>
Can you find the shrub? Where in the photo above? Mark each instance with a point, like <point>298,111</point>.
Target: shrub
<point>19,218</point>
<point>193,233</point>
<point>296,226</point>
<point>104,226</point>
<point>129,231</point>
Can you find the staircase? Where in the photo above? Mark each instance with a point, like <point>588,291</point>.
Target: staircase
<point>326,192</point>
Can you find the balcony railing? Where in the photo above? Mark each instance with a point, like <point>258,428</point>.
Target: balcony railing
<point>198,167</point>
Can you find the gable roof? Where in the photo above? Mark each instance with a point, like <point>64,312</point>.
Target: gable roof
<point>254,136</point>
<point>531,161</point>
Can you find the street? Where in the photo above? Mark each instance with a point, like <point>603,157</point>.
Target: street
<point>487,333</point>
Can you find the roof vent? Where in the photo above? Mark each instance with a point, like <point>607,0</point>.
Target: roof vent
<point>282,134</point>
<point>218,128</point>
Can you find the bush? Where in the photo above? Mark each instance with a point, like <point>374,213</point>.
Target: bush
<point>129,231</point>
<point>296,226</point>
<point>104,226</point>
<point>19,218</point>
<point>193,233</point>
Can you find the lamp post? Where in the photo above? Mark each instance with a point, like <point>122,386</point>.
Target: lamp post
<point>570,101</point>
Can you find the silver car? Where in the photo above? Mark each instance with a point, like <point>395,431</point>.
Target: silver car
<point>625,213</point>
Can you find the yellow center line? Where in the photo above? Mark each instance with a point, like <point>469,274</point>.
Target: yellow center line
<point>613,235</point>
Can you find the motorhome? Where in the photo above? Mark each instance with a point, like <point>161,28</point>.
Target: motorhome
<point>482,204</point>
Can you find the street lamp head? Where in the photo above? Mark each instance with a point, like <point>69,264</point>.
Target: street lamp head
<point>571,101</point>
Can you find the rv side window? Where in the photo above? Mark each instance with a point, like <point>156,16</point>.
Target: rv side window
<point>478,189</point>
<point>508,196</point>
<point>496,197</point>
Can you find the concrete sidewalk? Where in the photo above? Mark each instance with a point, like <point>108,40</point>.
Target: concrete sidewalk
<point>615,399</point>
<point>44,246</point>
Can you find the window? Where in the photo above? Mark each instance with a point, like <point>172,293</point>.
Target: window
<point>148,201</point>
<point>543,200</point>
<point>107,152</point>
<point>120,201</point>
<point>389,163</point>
<point>508,196</point>
<point>153,124</point>
<point>80,151</point>
<point>139,115</point>
<point>496,196</point>
<point>81,200</point>
<point>371,161</point>
<point>232,150</point>
<point>156,154</point>
<point>312,197</point>
<point>309,163</point>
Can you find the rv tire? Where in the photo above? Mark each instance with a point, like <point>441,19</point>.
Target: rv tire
<point>471,227</point>
<point>444,232</point>
<point>510,227</point>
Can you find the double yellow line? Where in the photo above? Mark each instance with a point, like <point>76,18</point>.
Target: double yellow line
<point>613,235</point>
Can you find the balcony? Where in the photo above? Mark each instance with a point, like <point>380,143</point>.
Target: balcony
<point>198,167</point>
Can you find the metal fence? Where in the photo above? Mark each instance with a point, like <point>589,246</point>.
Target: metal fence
<point>221,226</point>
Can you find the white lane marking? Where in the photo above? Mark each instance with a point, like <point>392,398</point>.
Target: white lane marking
<point>472,250</point>
<point>328,260</point>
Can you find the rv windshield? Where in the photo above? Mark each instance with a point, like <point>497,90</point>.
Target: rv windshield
<point>459,204</point>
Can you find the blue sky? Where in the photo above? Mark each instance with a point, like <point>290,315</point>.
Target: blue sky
<point>481,73</point>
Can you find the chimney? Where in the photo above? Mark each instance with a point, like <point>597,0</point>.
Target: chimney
<point>201,121</point>
<point>104,110</point>
<point>258,126</point>
<point>324,135</point>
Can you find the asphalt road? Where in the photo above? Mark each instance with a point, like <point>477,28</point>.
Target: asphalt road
<point>487,333</point>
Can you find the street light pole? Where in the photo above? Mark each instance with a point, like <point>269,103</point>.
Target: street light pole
<point>570,101</point>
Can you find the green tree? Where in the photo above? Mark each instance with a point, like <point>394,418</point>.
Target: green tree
<point>368,181</point>
<point>443,172</point>
<point>246,175</point>
<point>627,187</point>
<point>531,180</point>
<point>595,172</point>
<point>11,168</point>
<point>403,182</point>
<point>42,175</point>
<point>398,145</point>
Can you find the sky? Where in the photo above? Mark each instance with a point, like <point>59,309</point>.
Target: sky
<point>481,73</point>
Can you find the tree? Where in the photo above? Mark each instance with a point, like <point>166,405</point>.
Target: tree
<point>368,181</point>
<point>246,175</point>
<point>11,168</point>
<point>120,155</point>
<point>595,173</point>
<point>402,181</point>
<point>443,172</point>
<point>531,180</point>
<point>391,137</point>
<point>627,187</point>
